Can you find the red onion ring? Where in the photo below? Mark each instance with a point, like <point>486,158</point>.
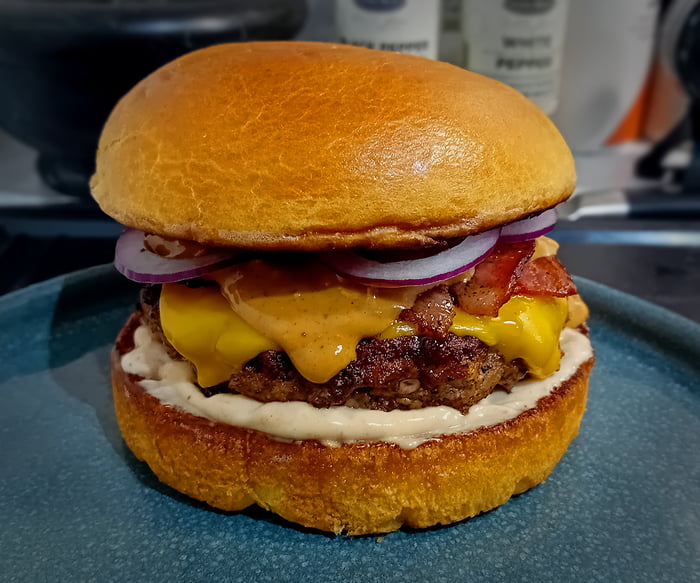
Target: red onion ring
<point>439,267</point>
<point>135,262</point>
<point>531,228</point>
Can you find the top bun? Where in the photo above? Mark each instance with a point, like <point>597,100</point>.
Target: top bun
<point>308,146</point>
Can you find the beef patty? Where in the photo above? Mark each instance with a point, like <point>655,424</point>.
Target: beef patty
<point>408,372</point>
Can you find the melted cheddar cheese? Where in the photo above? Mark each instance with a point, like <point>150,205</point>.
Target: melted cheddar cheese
<point>526,328</point>
<point>317,319</point>
<point>201,326</point>
<point>305,310</point>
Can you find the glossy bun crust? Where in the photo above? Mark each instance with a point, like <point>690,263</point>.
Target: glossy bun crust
<point>355,489</point>
<point>296,145</point>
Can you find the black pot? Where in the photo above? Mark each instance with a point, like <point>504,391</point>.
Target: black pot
<point>64,64</point>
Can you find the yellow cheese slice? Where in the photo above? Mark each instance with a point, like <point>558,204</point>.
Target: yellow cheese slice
<point>318,321</point>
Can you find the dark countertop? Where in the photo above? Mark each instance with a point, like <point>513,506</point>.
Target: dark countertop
<point>658,261</point>
<point>668,276</point>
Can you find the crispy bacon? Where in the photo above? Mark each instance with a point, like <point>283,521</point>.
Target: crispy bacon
<point>494,279</point>
<point>545,276</point>
<point>433,312</point>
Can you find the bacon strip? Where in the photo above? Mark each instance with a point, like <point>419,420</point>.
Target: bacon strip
<point>508,271</point>
<point>545,276</point>
<point>494,279</point>
<point>433,312</point>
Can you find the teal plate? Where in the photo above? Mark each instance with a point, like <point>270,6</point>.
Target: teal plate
<point>75,505</point>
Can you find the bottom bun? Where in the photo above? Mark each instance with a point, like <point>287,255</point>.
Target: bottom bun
<point>360,488</point>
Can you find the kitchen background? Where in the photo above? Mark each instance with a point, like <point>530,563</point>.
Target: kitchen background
<point>620,79</point>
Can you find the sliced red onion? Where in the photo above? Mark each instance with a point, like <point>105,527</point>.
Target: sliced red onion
<point>439,267</point>
<point>135,262</point>
<point>531,228</point>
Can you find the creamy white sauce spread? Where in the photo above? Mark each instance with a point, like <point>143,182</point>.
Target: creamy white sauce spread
<point>172,382</point>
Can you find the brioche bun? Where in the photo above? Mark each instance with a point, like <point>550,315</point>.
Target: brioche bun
<point>312,146</point>
<point>307,147</point>
<point>359,488</point>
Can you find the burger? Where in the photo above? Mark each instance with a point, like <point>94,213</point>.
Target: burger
<point>350,314</point>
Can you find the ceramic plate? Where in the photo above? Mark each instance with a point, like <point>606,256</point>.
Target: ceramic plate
<point>75,505</point>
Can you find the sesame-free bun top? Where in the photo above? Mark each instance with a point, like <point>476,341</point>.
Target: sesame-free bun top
<point>297,145</point>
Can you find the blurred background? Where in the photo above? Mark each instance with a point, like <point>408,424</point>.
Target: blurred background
<point>620,78</point>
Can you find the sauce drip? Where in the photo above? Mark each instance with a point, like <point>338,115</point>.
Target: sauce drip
<point>308,310</point>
